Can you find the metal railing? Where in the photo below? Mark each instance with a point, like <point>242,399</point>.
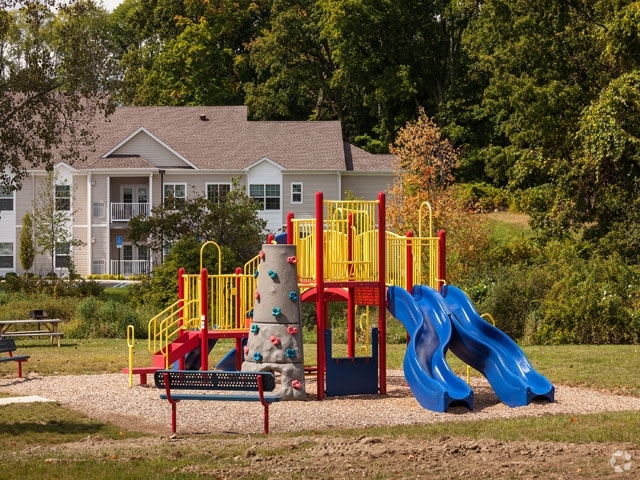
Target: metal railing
<point>123,212</point>
<point>130,268</point>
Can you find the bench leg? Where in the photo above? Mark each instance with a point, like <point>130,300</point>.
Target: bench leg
<point>19,369</point>
<point>173,417</point>
<point>143,379</point>
<point>266,418</point>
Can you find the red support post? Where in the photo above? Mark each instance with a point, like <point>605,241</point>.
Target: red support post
<point>290,228</point>
<point>409,266</point>
<point>442,259</point>
<point>204,329</point>
<point>382,307</point>
<point>351,304</point>
<point>320,304</point>
<point>181,272</point>
<point>239,317</point>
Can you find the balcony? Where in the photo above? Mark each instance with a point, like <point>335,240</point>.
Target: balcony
<point>123,212</point>
<point>129,268</point>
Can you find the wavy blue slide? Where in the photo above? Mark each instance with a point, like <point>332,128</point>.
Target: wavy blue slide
<point>493,353</point>
<point>426,370</point>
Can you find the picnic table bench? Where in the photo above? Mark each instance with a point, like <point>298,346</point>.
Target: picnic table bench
<point>8,345</point>
<point>253,384</point>
<point>36,326</point>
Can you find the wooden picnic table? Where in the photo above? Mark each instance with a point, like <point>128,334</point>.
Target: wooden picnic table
<point>32,327</point>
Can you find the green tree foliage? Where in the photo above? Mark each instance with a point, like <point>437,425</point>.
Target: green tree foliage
<point>232,222</point>
<point>27,249</point>
<point>190,53</point>
<point>56,77</point>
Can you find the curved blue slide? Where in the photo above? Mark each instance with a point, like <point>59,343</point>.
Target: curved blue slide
<point>492,352</point>
<point>427,372</point>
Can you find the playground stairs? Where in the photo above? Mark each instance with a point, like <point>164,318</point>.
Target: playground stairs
<point>177,349</point>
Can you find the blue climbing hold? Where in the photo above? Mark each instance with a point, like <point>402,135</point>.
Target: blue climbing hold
<point>272,274</point>
<point>255,328</point>
<point>250,314</point>
<point>275,311</point>
<point>293,296</point>
<point>257,356</point>
<point>256,273</point>
<point>291,353</point>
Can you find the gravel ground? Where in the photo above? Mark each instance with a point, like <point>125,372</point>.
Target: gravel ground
<point>108,397</point>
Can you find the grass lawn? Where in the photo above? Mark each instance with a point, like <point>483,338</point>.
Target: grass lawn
<point>31,427</point>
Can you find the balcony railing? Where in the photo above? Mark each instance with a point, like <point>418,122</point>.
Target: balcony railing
<point>129,268</point>
<point>123,212</point>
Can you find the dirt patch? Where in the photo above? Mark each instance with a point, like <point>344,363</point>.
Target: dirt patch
<point>326,457</point>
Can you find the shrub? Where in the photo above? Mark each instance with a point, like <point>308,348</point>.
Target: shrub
<point>99,319</point>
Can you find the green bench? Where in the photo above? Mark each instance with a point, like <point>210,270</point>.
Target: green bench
<point>247,387</point>
<point>8,345</point>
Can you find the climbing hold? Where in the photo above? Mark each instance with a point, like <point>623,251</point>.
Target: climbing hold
<point>246,351</point>
<point>296,384</point>
<point>293,296</point>
<point>293,259</point>
<point>255,328</point>
<point>291,353</point>
<point>272,274</point>
<point>275,340</point>
<point>257,356</point>
<point>276,312</point>
<point>256,273</point>
<point>250,314</point>
<point>256,295</point>
<point>261,254</point>
<point>292,330</point>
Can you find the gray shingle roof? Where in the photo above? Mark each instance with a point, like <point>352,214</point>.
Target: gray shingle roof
<point>226,140</point>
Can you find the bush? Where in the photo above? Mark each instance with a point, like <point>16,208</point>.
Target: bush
<point>594,302</point>
<point>98,319</point>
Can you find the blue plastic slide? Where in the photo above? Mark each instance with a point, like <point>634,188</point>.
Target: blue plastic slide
<point>428,374</point>
<point>492,352</point>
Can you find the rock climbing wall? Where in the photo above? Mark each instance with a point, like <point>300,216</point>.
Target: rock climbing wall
<point>275,337</point>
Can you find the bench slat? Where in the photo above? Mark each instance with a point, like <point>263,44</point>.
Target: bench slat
<point>15,358</point>
<point>33,333</point>
<point>223,398</point>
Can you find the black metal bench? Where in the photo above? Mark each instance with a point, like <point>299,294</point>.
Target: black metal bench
<point>253,384</point>
<point>8,345</point>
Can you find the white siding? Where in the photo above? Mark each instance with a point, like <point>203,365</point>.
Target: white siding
<point>266,172</point>
<point>365,186</point>
<point>149,149</point>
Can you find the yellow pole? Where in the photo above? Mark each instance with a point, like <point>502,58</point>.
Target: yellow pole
<point>130,343</point>
<point>211,242</point>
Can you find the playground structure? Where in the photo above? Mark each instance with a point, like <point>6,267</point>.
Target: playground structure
<point>343,254</point>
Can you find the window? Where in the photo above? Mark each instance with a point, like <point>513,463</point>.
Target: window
<point>6,199</point>
<point>216,192</point>
<point>63,198</point>
<point>268,196</point>
<point>6,255</point>
<point>63,250</point>
<point>175,194</point>
<point>296,193</point>
<point>98,209</point>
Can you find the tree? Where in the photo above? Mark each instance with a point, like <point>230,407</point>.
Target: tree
<point>191,53</point>
<point>55,78</point>
<point>27,249</point>
<point>231,222</point>
<point>424,173</point>
<point>52,215</point>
